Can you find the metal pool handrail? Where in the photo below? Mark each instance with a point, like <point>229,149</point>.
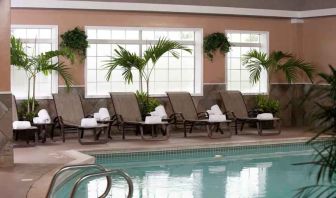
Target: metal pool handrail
<point>73,167</point>
<point>107,174</point>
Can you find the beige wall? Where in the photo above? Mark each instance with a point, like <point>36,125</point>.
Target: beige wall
<point>4,45</point>
<point>319,42</point>
<point>283,34</point>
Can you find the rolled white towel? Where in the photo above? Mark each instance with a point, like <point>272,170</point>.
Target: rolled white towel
<point>89,122</point>
<point>44,115</point>
<point>210,112</point>
<point>38,120</point>
<point>152,119</point>
<point>21,125</point>
<point>104,114</point>
<point>217,118</point>
<point>159,111</point>
<point>96,116</point>
<point>265,116</point>
<point>216,110</point>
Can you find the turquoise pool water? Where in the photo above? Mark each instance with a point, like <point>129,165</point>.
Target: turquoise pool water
<point>243,172</point>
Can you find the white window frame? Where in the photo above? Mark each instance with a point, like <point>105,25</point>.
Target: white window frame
<point>54,39</point>
<point>265,49</point>
<point>198,73</point>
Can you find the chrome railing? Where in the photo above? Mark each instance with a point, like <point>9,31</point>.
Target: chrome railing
<point>107,174</point>
<point>103,172</point>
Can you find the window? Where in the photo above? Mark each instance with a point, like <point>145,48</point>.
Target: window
<point>45,38</point>
<point>170,74</point>
<point>237,74</point>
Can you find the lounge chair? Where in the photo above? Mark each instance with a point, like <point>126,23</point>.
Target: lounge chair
<point>235,105</point>
<point>70,113</point>
<point>128,116</point>
<point>26,131</point>
<point>185,113</point>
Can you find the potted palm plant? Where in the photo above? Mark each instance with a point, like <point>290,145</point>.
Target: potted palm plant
<point>36,64</point>
<point>129,61</point>
<point>277,61</point>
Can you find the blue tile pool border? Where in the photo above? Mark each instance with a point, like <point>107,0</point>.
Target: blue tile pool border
<point>196,151</point>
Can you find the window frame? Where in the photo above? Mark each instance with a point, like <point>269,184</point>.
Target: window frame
<point>198,54</point>
<point>54,44</point>
<point>265,49</point>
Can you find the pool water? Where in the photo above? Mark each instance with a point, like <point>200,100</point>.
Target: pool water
<point>250,173</point>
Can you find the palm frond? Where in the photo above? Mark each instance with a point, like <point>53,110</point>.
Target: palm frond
<point>154,52</point>
<point>18,56</point>
<point>127,61</point>
<point>63,71</point>
<point>255,62</point>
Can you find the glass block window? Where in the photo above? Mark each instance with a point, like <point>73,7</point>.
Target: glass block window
<point>170,74</point>
<point>36,40</point>
<point>237,74</point>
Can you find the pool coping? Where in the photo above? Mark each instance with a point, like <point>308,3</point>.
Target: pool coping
<point>84,156</point>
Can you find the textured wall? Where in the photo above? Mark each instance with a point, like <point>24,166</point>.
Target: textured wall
<point>292,113</point>
<point>6,150</point>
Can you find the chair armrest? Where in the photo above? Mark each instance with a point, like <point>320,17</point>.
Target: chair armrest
<point>203,115</point>
<point>175,117</point>
<point>89,116</point>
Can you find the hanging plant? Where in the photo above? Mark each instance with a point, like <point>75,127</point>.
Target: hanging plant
<point>75,40</point>
<point>216,41</point>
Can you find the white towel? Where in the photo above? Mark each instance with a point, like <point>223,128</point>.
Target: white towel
<point>152,119</point>
<point>89,122</point>
<point>104,114</point>
<point>44,116</point>
<point>38,120</point>
<point>265,116</point>
<point>21,125</point>
<point>159,111</point>
<point>217,118</point>
<point>96,116</point>
<point>216,110</point>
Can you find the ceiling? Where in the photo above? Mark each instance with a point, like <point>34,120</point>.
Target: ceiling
<point>292,5</point>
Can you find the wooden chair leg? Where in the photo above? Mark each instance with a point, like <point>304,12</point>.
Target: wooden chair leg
<point>62,133</point>
<point>236,127</point>
<point>242,125</point>
<point>123,132</point>
<point>52,132</point>
<point>185,129</point>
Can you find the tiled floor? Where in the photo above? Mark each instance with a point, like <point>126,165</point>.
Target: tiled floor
<point>31,162</point>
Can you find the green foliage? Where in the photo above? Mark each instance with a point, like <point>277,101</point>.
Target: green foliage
<point>75,40</point>
<point>325,159</point>
<point>23,112</point>
<point>144,65</point>
<point>216,41</point>
<point>35,64</point>
<point>277,61</point>
<point>146,103</point>
<point>267,105</point>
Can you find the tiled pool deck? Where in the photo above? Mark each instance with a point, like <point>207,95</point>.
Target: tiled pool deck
<point>35,165</point>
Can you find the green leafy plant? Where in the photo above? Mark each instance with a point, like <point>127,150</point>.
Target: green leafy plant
<point>325,185</point>
<point>143,64</point>
<point>76,40</point>
<point>146,103</point>
<point>23,112</point>
<point>41,63</point>
<point>277,61</point>
<point>216,42</point>
<point>267,105</point>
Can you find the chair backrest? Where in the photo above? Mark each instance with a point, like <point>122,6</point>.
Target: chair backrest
<point>182,102</point>
<point>69,107</point>
<point>126,105</point>
<point>234,102</point>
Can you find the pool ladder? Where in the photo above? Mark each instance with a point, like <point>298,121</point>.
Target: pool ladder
<point>103,172</point>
